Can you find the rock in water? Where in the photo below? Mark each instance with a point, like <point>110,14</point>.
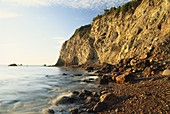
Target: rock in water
<point>13,64</point>
<point>48,111</point>
<point>166,72</point>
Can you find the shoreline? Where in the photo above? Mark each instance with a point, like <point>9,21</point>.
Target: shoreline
<point>131,86</point>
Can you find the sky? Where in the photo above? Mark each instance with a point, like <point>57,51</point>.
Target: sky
<point>32,31</point>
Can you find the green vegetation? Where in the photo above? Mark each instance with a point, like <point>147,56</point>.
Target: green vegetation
<point>97,17</point>
<point>128,7</point>
<point>86,35</point>
<point>109,11</point>
<point>81,28</point>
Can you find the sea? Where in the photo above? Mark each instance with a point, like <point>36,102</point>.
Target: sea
<point>32,89</point>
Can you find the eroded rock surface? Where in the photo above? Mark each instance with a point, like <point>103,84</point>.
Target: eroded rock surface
<point>143,33</point>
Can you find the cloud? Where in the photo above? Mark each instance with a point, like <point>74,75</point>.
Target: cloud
<point>4,14</point>
<point>87,4</point>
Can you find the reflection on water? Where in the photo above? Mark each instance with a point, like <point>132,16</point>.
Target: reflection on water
<point>31,89</point>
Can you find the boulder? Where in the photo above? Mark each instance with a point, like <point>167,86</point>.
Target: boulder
<point>91,99</point>
<point>125,78</point>
<point>89,68</point>
<point>65,100</point>
<point>87,93</point>
<point>13,64</point>
<point>78,74</point>
<point>48,111</point>
<point>64,74</point>
<point>100,106</point>
<point>166,72</point>
<point>108,98</point>
<point>104,80</point>
<point>75,92</point>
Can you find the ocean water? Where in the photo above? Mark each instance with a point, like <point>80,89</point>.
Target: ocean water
<point>30,89</point>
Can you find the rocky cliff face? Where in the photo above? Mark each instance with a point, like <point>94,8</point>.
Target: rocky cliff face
<point>138,32</point>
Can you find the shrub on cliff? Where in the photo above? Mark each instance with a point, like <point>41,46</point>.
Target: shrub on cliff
<point>97,17</point>
<point>81,28</point>
<point>86,35</point>
<point>128,7</point>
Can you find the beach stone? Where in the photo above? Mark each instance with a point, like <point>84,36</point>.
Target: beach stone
<point>114,78</point>
<point>86,92</point>
<point>82,95</point>
<point>48,111</point>
<point>104,92</point>
<point>124,78</point>
<point>89,68</point>
<point>100,106</point>
<point>77,74</point>
<point>64,74</point>
<point>104,80</point>
<point>65,100</point>
<point>75,92</point>
<point>74,111</point>
<point>91,99</point>
<point>166,72</point>
<point>108,98</point>
<point>95,94</point>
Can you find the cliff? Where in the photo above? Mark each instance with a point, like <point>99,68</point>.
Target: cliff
<point>140,28</point>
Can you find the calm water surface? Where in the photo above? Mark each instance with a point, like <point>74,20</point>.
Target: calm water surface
<point>30,89</point>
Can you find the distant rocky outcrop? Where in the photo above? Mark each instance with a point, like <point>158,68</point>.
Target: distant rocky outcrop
<point>140,29</point>
<point>12,64</point>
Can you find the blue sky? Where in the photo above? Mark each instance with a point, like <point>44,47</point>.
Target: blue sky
<point>32,31</point>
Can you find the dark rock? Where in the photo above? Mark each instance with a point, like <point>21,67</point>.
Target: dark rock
<point>104,80</point>
<point>82,95</point>
<point>91,99</point>
<point>95,94</point>
<point>89,68</point>
<point>74,111</point>
<point>13,64</point>
<point>76,92</point>
<point>64,74</point>
<point>48,111</point>
<point>77,74</point>
<point>103,92</point>
<point>87,93</point>
<point>114,78</point>
<point>108,98</point>
<point>100,106</point>
<point>65,100</point>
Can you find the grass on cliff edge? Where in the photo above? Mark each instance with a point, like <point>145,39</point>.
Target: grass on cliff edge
<point>129,6</point>
<point>81,28</point>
